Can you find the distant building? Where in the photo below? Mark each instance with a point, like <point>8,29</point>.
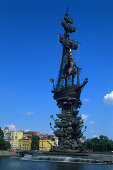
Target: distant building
<point>27,134</point>
<point>45,144</point>
<point>41,135</point>
<point>7,135</point>
<point>6,131</point>
<point>7,138</point>
<point>32,132</point>
<point>15,136</point>
<point>24,143</point>
<point>46,136</point>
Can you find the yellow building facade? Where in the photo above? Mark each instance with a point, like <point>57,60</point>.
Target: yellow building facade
<point>15,136</point>
<point>45,145</point>
<point>24,143</point>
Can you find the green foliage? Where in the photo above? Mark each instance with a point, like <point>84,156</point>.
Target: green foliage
<point>3,145</point>
<point>100,144</point>
<point>8,145</point>
<point>1,133</point>
<point>35,142</point>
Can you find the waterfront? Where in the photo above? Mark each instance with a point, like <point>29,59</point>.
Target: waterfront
<point>13,163</point>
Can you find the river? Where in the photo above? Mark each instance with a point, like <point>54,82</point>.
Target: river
<point>16,163</point>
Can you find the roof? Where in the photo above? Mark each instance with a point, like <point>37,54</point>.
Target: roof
<point>32,132</point>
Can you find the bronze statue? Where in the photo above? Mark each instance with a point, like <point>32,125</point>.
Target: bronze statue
<point>68,126</point>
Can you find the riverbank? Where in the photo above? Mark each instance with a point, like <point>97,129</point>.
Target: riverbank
<point>7,153</point>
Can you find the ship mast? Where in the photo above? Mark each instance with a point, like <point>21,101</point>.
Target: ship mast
<point>68,45</point>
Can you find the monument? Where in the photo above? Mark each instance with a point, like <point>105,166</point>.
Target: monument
<point>68,126</point>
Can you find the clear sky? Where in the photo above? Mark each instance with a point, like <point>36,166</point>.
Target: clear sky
<point>30,55</point>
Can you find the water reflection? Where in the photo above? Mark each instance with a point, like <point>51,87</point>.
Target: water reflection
<point>18,164</point>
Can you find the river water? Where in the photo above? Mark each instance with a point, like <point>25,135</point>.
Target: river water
<point>29,164</point>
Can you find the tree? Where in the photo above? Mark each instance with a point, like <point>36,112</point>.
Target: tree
<point>1,133</point>
<point>7,145</point>
<point>110,145</point>
<point>103,138</point>
<point>3,144</point>
<point>99,144</point>
<point>35,142</point>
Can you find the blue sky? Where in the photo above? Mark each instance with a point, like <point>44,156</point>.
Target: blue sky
<point>30,55</point>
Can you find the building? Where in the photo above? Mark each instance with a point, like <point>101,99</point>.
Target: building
<point>24,143</point>
<point>15,136</point>
<point>32,132</point>
<point>45,144</point>
<point>27,134</point>
<point>6,131</point>
<point>46,136</point>
<point>7,138</point>
<point>7,135</point>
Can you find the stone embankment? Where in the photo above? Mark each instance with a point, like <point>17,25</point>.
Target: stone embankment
<point>7,153</point>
